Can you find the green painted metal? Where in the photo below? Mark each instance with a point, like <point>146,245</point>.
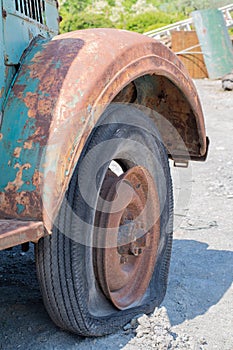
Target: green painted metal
<point>6,73</point>
<point>17,29</point>
<point>215,42</point>
<point>20,23</point>
<point>17,127</point>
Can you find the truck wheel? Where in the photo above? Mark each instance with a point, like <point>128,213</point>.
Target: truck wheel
<point>107,259</point>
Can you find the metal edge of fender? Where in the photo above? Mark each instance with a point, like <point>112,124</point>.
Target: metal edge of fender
<point>62,88</point>
<point>15,232</point>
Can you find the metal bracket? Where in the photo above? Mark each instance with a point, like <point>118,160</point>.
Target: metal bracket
<point>180,163</point>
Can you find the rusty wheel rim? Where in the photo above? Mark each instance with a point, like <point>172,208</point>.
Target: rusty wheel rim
<point>125,263</point>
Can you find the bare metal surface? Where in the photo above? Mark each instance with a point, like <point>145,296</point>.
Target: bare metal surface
<point>14,232</point>
<point>124,270</point>
<point>62,89</point>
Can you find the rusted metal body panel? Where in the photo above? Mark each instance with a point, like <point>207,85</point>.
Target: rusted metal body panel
<point>20,22</point>
<point>61,90</point>
<point>14,232</point>
<point>31,18</point>
<point>6,72</point>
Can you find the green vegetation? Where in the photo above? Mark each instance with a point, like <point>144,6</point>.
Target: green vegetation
<point>135,15</point>
<point>83,20</point>
<point>149,20</point>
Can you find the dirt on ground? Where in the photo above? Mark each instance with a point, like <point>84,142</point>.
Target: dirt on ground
<point>197,312</point>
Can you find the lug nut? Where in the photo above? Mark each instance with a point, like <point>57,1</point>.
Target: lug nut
<point>135,250</point>
<point>123,259</point>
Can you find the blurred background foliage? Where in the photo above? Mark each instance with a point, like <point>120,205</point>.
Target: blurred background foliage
<point>135,15</point>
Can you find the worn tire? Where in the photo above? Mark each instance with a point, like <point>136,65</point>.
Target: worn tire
<point>71,292</point>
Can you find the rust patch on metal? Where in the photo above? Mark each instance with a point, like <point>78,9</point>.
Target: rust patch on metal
<point>17,152</point>
<point>4,13</point>
<point>19,90</point>
<point>30,101</point>
<point>18,182</point>
<point>37,180</point>
<point>28,144</point>
<point>160,95</point>
<point>1,137</point>
<point>127,95</point>
<point>30,201</point>
<point>2,91</point>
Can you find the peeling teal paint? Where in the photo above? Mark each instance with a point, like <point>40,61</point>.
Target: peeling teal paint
<point>20,208</point>
<point>17,128</point>
<point>81,92</point>
<point>83,119</point>
<point>20,128</point>
<point>74,101</point>
<point>58,64</point>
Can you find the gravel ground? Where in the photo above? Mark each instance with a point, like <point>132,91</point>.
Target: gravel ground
<point>197,312</point>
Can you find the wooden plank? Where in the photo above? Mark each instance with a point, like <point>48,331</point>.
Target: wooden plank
<point>194,62</point>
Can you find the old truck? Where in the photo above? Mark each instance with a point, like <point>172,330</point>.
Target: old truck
<point>89,120</point>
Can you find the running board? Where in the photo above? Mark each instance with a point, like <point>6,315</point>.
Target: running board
<point>14,232</point>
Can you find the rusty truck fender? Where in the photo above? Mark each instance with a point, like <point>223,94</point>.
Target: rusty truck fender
<point>61,89</point>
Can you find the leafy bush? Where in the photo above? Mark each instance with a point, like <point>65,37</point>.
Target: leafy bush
<point>127,4</point>
<point>148,21</point>
<point>72,6</point>
<point>84,20</point>
<point>111,3</point>
<point>120,14</point>
<point>74,17</point>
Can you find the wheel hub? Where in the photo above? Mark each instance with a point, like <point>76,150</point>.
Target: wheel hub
<point>130,216</point>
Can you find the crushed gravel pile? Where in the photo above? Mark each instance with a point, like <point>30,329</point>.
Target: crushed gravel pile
<point>155,332</point>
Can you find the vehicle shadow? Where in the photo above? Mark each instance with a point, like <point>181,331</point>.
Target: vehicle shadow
<point>24,322</point>
<point>198,279</point>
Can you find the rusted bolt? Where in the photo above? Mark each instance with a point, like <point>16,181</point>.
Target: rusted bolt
<point>135,250</point>
<point>4,13</point>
